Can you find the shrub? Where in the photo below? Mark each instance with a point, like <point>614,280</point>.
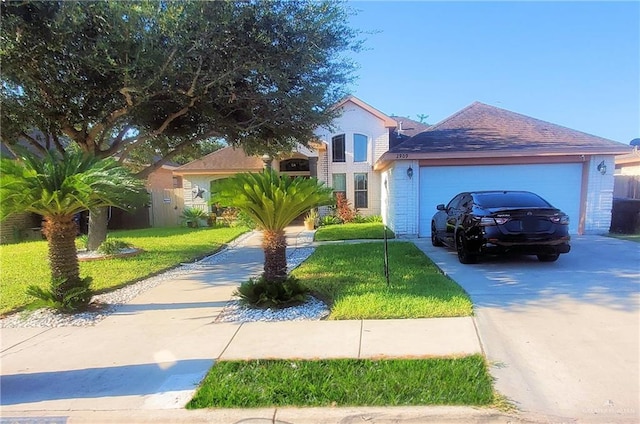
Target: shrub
<point>329,220</point>
<point>229,216</point>
<point>245,220</point>
<point>260,293</point>
<point>369,219</point>
<point>343,209</point>
<point>112,246</point>
<point>63,299</point>
<point>191,217</point>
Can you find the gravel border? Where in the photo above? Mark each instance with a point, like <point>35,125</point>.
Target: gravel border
<point>314,309</point>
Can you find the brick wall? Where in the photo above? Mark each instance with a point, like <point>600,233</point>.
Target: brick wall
<point>599,202</point>
<point>15,228</point>
<point>403,195</point>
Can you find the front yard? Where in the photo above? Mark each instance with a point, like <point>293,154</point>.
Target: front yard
<point>349,277</point>
<point>25,263</point>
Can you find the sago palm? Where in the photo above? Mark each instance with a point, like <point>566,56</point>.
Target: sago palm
<point>58,187</point>
<point>272,201</point>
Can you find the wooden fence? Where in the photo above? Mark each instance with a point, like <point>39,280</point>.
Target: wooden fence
<point>166,207</point>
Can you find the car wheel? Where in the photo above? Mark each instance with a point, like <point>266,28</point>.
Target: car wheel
<point>434,238</point>
<point>463,252</point>
<point>549,258</point>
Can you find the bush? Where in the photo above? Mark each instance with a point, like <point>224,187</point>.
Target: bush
<point>329,220</point>
<point>343,209</point>
<point>229,216</point>
<point>261,293</point>
<point>62,299</point>
<point>192,217</point>
<point>245,220</point>
<point>369,219</point>
<point>112,246</point>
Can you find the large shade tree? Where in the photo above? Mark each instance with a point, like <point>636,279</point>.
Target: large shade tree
<point>58,187</point>
<point>118,78</point>
<point>273,201</point>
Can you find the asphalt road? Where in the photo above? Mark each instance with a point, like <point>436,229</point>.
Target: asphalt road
<point>562,337</point>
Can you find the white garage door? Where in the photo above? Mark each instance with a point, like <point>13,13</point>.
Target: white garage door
<point>559,184</point>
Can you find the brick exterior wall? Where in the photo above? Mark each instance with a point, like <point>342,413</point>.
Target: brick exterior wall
<point>403,194</point>
<point>599,201</point>
<point>17,227</point>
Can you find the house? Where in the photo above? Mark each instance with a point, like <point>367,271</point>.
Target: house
<point>402,169</point>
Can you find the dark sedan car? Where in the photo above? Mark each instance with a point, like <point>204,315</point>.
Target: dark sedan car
<point>494,222</point>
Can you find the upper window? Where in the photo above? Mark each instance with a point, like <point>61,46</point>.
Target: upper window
<point>361,187</point>
<point>359,148</point>
<point>338,148</point>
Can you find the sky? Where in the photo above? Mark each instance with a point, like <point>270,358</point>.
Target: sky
<point>575,64</point>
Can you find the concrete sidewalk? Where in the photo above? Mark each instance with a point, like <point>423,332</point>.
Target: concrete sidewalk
<point>151,354</point>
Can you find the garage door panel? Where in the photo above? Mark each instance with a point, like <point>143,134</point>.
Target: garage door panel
<point>557,183</point>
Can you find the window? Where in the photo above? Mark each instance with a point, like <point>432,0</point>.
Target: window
<point>337,148</point>
<point>361,190</point>
<point>339,184</point>
<point>359,148</point>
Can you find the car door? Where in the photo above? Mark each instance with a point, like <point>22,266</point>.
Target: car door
<point>452,210</point>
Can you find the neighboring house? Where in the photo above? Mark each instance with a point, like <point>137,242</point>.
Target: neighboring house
<point>401,169</point>
<point>627,175</point>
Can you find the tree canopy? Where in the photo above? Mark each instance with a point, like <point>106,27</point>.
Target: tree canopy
<point>115,77</point>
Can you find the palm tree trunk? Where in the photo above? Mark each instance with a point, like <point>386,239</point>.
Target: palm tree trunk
<point>63,256</point>
<point>274,244</point>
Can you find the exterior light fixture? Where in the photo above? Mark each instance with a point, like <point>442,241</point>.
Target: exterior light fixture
<point>602,168</point>
<point>410,172</point>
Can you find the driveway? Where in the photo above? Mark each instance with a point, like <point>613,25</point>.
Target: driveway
<point>562,337</point>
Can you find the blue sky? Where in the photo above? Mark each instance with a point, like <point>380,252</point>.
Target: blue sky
<point>575,64</point>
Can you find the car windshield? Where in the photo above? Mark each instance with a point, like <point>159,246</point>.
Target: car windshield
<point>510,199</point>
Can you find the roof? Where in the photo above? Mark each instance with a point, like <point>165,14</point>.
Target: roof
<point>388,121</point>
<point>484,130</point>
<point>225,160</point>
<point>631,159</point>
<point>404,130</point>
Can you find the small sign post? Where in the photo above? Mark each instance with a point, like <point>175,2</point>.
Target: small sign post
<point>386,256</point>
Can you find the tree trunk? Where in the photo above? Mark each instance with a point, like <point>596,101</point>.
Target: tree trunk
<point>63,257</point>
<point>98,221</point>
<point>274,244</point>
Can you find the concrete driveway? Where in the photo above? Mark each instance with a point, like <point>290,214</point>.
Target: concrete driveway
<point>563,337</point>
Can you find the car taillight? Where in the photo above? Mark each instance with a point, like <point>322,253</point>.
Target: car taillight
<point>560,219</point>
<point>487,222</point>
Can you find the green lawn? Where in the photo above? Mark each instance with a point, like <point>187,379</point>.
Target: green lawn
<point>24,264</point>
<point>346,382</point>
<point>630,237</point>
<point>373,230</point>
<point>350,277</point>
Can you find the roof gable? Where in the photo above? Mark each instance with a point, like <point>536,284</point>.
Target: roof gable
<point>481,127</point>
<point>387,120</point>
<point>226,159</point>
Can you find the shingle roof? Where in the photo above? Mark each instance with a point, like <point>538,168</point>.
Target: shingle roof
<point>226,159</point>
<point>404,130</point>
<point>484,128</point>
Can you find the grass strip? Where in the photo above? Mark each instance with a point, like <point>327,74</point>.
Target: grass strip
<point>630,237</point>
<point>350,278</point>
<point>373,230</point>
<point>26,263</point>
<point>346,382</point>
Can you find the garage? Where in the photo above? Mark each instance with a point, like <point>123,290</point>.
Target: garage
<point>483,147</point>
<point>558,183</point>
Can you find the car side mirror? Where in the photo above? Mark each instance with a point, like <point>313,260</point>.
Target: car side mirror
<point>441,207</point>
